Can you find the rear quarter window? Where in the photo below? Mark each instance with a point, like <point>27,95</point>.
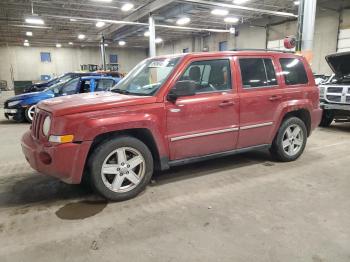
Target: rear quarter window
<point>293,71</point>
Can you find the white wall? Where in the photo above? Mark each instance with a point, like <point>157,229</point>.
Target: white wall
<point>26,63</point>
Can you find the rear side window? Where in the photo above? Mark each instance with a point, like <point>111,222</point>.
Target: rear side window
<point>257,72</point>
<point>104,84</point>
<point>293,71</point>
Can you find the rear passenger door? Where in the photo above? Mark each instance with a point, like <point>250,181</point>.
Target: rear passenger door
<point>260,96</point>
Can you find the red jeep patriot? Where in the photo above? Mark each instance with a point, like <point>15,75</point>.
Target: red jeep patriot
<point>174,110</point>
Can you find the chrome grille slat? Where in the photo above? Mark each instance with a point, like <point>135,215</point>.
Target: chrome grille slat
<point>37,124</point>
<point>337,94</point>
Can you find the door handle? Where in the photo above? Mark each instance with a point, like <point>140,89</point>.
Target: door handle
<point>227,103</point>
<point>275,98</point>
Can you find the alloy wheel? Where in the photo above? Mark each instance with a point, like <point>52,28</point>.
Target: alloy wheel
<point>293,140</point>
<point>123,169</point>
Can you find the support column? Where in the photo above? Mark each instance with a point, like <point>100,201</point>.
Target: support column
<point>103,53</point>
<point>306,27</point>
<point>152,37</point>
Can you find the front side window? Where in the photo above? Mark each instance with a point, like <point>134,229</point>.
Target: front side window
<point>147,77</point>
<point>293,71</point>
<point>70,87</point>
<point>210,75</point>
<point>257,72</point>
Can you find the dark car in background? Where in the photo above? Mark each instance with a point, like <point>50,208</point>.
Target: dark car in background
<point>22,107</point>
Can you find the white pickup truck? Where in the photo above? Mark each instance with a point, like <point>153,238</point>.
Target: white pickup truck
<point>335,93</point>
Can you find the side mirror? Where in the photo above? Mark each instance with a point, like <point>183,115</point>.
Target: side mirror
<point>182,88</point>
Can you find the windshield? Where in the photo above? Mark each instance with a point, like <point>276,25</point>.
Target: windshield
<point>64,78</point>
<point>56,86</point>
<point>147,77</point>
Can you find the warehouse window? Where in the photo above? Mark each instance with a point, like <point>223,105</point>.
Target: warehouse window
<point>113,59</point>
<point>293,71</point>
<point>257,72</point>
<point>223,46</point>
<point>210,76</point>
<point>45,56</point>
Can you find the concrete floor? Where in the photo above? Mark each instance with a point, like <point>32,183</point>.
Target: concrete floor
<point>239,208</point>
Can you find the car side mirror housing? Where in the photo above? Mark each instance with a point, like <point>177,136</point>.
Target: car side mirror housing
<point>182,88</point>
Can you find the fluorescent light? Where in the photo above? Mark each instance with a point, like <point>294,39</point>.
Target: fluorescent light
<point>105,45</point>
<point>34,20</point>
<point>231,20</point>
<point>58,45</point>
<point>81,36</point>
<point>147,34</point>
<point>158,40</point>
<point>104,1</point>
<point>70,43</point>
<point>183,21</point>
<point>73,20</point>
<point>221,12</point>
<point>127,7</point>
<point>25,40</point>
<point>100,24</point>
<point>240,2</point>
<point>26,44</point>
<point>296,2</point>
<point>29,33</point>
<point>122,43</point>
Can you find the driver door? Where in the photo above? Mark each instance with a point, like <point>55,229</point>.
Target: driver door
<point>207,122</point>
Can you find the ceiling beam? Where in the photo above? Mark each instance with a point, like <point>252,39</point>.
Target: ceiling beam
<point>239,7</point>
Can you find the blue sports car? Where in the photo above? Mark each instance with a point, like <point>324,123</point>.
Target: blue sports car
<point>22,107</point>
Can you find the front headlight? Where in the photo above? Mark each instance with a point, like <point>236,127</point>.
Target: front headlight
<point>322,91</point>
<point>46,126</point>
<point>10,104</point>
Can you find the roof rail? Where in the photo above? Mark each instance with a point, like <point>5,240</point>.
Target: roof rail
<point>263,50</point>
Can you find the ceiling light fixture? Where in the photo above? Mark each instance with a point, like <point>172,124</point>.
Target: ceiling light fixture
<point>35,20</point>
<point>26,44</point>
<point>100,24</point>
<point>25,40</point>
<point>81,36</point>
<point>147,34</point>
<point>240,2</point>
<point>73,19</point>
<point>122,43</point>
<point>58,45</point>
<point>103,1</point>
<point>29,33</point>
<point>296,2</point>
<point>70,43</point>
<point>158,40</point>
<point>127,7</point>
<point>219,12</point>
<point>105,45</point>
<point>183,21</point>
<point>231,20</point>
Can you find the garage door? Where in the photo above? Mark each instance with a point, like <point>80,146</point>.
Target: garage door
<point>344,40</point>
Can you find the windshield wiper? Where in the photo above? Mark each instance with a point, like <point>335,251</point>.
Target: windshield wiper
<point>126,92</point>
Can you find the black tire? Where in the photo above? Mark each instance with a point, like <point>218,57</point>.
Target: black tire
<point>277,146</point>
<point>102,151</point>
<point>27,113</point>
<point>327,118</point>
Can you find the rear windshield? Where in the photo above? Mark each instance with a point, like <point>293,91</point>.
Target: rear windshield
<point>293,71</point>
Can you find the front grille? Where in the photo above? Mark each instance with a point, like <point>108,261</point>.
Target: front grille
<point>332,98</point>
<point>37,124</point>
<point>335,90</point>
<point>348,99</point>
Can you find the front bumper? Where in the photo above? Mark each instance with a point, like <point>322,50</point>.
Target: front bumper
<point>64,161</point>
<point>16,113</point>
<point>327,106</point>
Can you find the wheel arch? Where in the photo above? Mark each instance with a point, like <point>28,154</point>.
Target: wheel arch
<point>143,134</point>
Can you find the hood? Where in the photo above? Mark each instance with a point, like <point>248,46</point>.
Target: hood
<point>339,63</point>
<point>88,102</point>
<point>25,96</point>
